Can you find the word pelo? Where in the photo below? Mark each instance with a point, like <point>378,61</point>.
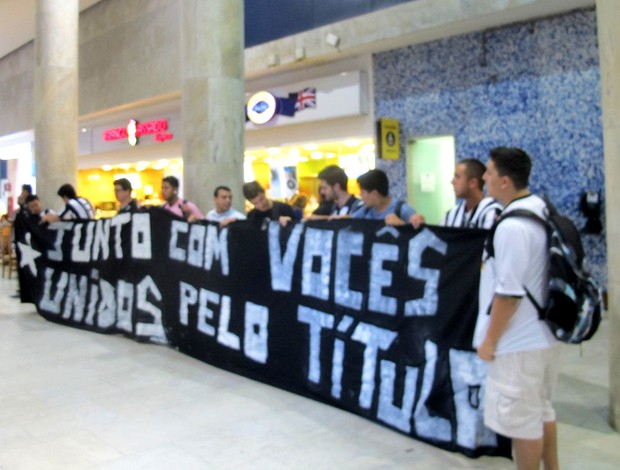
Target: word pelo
<point>199,304</point>
<point>318,246</point>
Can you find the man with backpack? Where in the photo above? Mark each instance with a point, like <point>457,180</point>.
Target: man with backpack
<point>522,351</point>
<point>379,205</point>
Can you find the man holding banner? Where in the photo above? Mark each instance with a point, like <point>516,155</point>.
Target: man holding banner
<point>333,188</point>
<point>265,208</point>
<point>522,352</point>
<point>475,210</point>
<point>379,205</point>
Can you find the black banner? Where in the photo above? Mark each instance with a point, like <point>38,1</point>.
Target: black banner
<point>372,319</point>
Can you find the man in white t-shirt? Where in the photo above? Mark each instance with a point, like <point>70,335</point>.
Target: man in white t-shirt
<point>522,352</point>
<point>223,212</point>
<point>474,210</point>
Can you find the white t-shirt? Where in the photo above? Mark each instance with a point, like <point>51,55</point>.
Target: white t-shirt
<point>213,216</point>
<point>520,262</point>
<point>481,216</point>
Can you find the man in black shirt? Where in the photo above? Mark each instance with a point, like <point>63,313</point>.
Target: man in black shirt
<point>265,208</point>
<point>333,188</point>
<point>122,192</point>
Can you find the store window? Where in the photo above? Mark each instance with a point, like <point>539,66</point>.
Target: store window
<point>291,170</point>
<point>97,184</point>
<point>285,172</point>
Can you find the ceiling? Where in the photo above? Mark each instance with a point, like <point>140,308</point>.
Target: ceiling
<point>17,22</point>
<point>17,18</point>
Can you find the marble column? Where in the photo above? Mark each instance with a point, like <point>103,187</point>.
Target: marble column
<point>56,97</point>
<point>212,90</point>
<point>607,12</point>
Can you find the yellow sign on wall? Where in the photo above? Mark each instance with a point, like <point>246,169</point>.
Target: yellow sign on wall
<point>389,138</point>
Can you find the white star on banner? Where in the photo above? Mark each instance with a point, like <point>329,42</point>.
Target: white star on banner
<point>28,255</point>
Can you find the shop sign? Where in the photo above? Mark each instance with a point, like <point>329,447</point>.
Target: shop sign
<point>135,129</point>
<point>263,106</point>
<point>342,95</point>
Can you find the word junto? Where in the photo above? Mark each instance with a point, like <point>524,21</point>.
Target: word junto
<point>90,241</point>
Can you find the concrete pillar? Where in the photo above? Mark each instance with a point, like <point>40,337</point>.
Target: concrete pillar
<point>212,49</point>
<point>607,12</point>
<point>56,97</point>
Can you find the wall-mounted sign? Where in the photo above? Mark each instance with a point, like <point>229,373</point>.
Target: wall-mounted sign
<point>263,106</point>
<point>388,133</point>
<point>135,129</point>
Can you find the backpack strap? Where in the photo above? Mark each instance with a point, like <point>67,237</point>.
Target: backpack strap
<point>524,213</point>
<point>352,204</point>
<point>398,208</point>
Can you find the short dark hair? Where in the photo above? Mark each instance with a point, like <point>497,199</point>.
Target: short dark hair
<point>374,180</point>
<point>474,168</point>
<point>514,163</point>
<point>172,181</point>
<point>31,197</point>
<point>222,188</point>
<point>252,189</point>
<point>123,183</point>
<point>333,175</point>
<point>68,191</point>
<point>27,187</point>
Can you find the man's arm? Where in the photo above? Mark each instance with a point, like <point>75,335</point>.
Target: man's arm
<point>502,310</point>
<point>416,220</point>
<point>50,218</point>
<point>191,211</point>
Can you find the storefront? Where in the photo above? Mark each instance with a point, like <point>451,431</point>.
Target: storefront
<point>299,123</point>
<point>16,169</point>
<point>142,144</point>
<point>321,116</point>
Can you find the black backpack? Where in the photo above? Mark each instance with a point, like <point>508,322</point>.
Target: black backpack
<point>573,308</point>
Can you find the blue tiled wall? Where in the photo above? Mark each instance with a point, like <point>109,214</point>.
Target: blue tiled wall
<point>532,85</point>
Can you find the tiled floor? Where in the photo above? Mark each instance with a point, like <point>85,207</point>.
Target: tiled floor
<point>74,399</point>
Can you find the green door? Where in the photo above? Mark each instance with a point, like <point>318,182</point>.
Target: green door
<point>430,168</point>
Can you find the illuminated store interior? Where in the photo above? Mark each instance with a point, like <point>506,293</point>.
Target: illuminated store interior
<point>303,160</point>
